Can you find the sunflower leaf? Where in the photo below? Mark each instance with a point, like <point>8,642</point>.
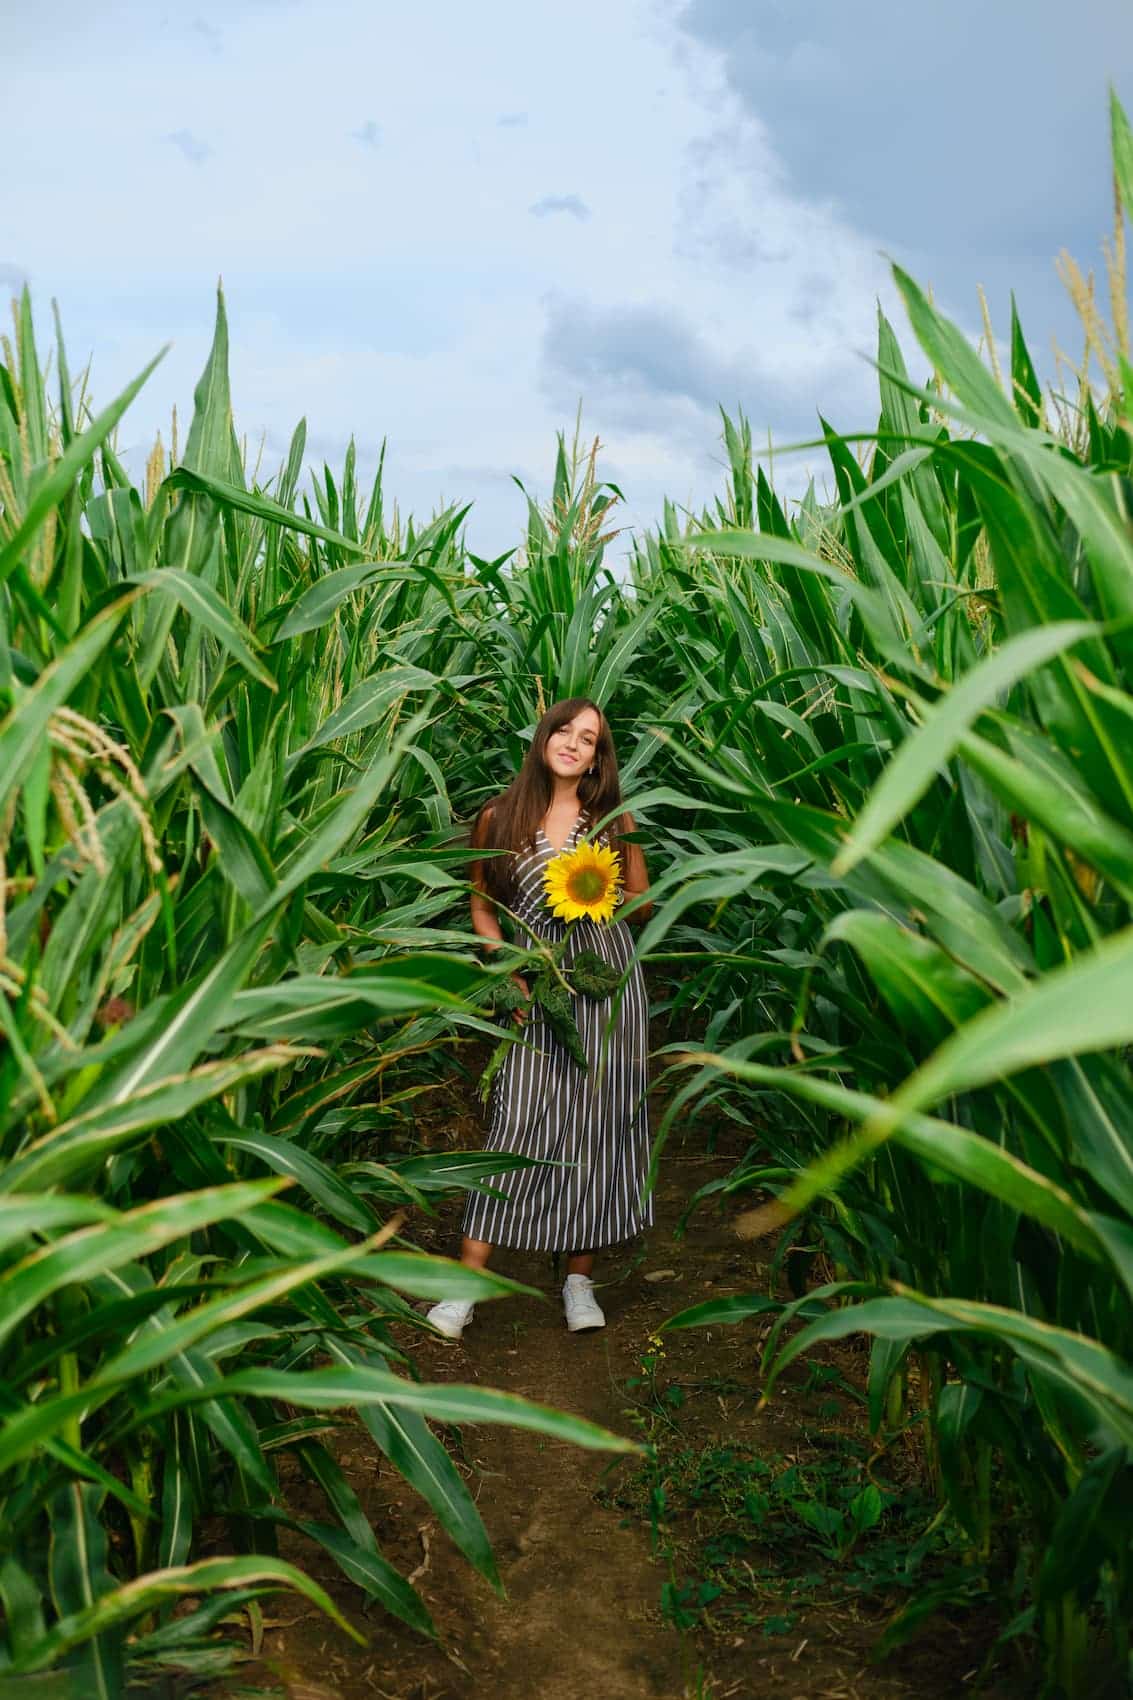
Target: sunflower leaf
<point>593,976</point>
<point>554,1000</point>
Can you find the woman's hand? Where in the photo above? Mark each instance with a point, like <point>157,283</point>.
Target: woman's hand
<point>518,1015</point>
<point>635,880</point>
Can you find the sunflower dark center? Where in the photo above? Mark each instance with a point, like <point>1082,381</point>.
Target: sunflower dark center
<point>587,885</point>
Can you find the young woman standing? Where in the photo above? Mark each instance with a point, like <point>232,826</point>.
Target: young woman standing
<point>542,1104</point>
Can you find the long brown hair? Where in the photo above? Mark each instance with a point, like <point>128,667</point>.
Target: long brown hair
<point>511,820</point>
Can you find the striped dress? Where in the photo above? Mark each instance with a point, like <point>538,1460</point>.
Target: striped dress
<point>542,1105</point>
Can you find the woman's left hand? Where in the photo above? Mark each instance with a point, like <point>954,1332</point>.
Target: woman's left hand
<point>519,1016</point>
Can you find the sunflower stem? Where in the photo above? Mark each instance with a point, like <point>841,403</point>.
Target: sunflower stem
<point>554,958</point>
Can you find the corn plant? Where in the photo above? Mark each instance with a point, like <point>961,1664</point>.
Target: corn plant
<point>222,851</point>
<point>911,711</point>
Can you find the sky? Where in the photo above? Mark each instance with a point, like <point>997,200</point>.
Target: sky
<point>449,225</point>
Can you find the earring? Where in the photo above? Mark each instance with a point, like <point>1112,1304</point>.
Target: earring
<point>591,770</point>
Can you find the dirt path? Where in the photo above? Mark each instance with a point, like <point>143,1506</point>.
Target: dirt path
<point>582,1616</point>
<point>581,1611</point>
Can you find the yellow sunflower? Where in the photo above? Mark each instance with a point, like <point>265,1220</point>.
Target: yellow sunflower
<point>583,883</point>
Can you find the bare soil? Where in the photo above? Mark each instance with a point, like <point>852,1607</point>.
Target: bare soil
<point>582,1614</point>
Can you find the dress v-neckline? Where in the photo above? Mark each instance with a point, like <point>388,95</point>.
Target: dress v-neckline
<point>557,851</point>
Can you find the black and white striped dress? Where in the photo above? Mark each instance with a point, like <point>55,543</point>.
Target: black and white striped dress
<point>542,1105</point>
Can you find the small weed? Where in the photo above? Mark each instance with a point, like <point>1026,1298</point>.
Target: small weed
<point>828,1379</point>
<point>755,1539</point>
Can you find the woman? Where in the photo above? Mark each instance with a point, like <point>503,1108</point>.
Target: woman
<point>542,1103</point>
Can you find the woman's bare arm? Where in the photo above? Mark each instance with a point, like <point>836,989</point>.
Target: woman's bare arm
<point>485,921</point>
<point>636,877</point>
<point>484,918</point>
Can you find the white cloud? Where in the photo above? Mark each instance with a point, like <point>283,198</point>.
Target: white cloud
<point>12,278</point>
<point>209,33</point>
<point>547,205</point>
<point>194,149</point>
<point>907,119</point>
<point>403,289</point>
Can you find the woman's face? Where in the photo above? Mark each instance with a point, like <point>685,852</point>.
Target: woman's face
<point>570,750</point>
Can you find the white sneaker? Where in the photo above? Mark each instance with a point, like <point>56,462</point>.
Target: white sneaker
<point>582,1309</point>
<point>451,1317</point>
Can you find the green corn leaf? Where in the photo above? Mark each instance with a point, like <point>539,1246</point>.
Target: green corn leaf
<point>368,702</point>
<point>24,730</point>
<point>34,395</point>
<point>75,1147</point>
<point>1024,382</point>
<point>242,858</point>
<point>955,1150</point>
<point>359,1386</point>
<point>184,1639</point>
<point>322,600</point>
<point>440,1171</point>
<point>926,753</point>
<point>202,603</point>
<point>426,1277</point>
<point>22,1599</point>
<point>132,1600</point>
<point>1086,1006</point>
<point>21,1217</point>
<point>78,454</point>
<point>953,355</point>
<point>190,1018</point>
<point>211,446</point>
<point>106,1245</point>
<point>80,1584</point>
<point>231,496</point>
<point>328,1474</point>
<point>176,1501</point>
<point>1068,1360</point>
<point>885,1360</point>
<point>344,821</point>
<point>162,1339</point>
<point>722,1312</point>
<point>1121,139</point>
<point>957,1408</point>
<point>1079,1546</point>
<point>283,1157</point>
<point>406,1439</point>
<point>366,1567</point>
<point>316,1006</point>
<point>225,1417</point>
<point>927,991</point>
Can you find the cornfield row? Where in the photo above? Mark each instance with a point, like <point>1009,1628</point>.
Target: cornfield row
<point>881,750</point>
